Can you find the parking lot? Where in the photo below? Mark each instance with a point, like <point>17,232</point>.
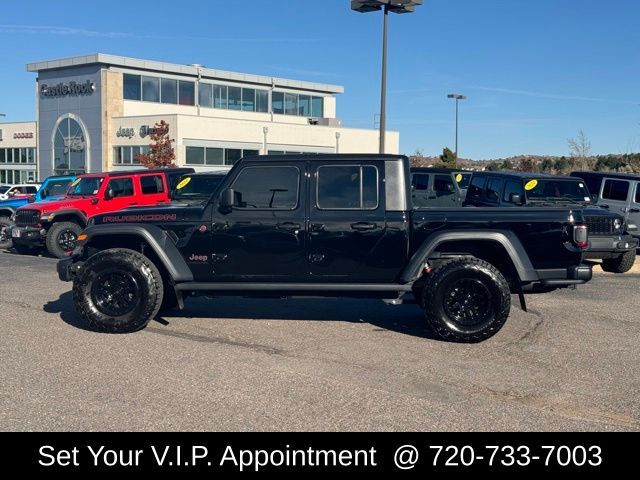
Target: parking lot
<point>570,363</point>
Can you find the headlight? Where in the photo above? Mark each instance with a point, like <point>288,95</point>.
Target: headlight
<point>617,224</point>
<point>46,217</point>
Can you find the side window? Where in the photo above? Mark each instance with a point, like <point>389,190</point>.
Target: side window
<point>615,190</point>
<point>420,182</point>
<point>151,184</point>
<point>121,187</point>
<point>637,200</point>
<point>494,189</point>
<point>347,187</point>
<point>512,188</point>
<point>267,188</point>
<point>443,185</point>
<point>476,187</point>
<point>31,189</point>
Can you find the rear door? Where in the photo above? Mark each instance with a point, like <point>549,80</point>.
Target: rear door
<point>421,190</point>
<point>445,191</point>
<point>152,189</point>
<point>347,223</point>
<point>634,211</point>
<point>616,195</point>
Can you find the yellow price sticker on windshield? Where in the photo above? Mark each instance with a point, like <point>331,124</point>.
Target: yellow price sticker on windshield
<point>459,177</point>
<point>531,185</point>
<point>183,183</point>
<point>75,182</point>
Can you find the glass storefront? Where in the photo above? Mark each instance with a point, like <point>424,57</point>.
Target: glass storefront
<point>69,148</point>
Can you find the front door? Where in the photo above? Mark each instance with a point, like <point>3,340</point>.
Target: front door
<point>347,223</point>
<point>122,195</point>
<point>263,237</point>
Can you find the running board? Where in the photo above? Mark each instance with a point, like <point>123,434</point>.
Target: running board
<point>293,287</point>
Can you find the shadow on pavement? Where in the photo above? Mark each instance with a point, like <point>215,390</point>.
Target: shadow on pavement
<point>406,319</point>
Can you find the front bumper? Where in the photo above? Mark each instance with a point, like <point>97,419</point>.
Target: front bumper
<point>28,235</point>
<point>607,247</point>
<point>68,268</point>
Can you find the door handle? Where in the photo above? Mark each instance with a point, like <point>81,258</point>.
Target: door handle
<point>363,226</point>
<point>317,227</point>
<point>133,203</point>
<point>603,205</point>
<point>288,226</point>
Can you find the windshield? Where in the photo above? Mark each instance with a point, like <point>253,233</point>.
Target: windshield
<point>197,186</point>
<point>56,188</point>
<point>463,179</point>
<point>556,190</point>
<point>85,186</point>
<point>4,188</point>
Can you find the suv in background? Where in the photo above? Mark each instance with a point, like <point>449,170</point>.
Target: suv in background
<point>52,188</point>
<point>436,187</point>
<point>608,239</point>
<point>56,225</point>
<point>619,192</point>
<point>22,190</point>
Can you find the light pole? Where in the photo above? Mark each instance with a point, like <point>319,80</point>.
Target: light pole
<point>337,142</point>
<point>395,6</point>
<point>265,148</point>
<point>457,98</point>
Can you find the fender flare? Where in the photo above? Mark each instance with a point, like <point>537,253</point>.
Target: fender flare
<point>505,238</point>
<point>9,210</point>
<point>158,241</point>
<point>71,211</point>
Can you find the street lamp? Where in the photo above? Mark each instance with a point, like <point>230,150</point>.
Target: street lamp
<point>457,98</point>
<point>395,6</point>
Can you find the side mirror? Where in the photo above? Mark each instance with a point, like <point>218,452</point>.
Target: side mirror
<point>227,198</point>
<point>515,198</point>
<point>108,194</point>
<point>594,198</point>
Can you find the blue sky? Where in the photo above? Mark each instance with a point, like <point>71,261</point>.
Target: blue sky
<point>535,72</point>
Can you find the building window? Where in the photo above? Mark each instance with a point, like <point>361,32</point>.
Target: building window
<point>283,103</point>
<point>317,107</point>
<point>262,101</point>
<point>205,96</point>
<point>248,100</point>
<point>290,104</point>
<point>213,156</point>
<point>347,188</point>
<point>195,155</point>
<point>169,91</point>
<point>277,102</point>
<point>69,147</point>
<point>151,89</point>
<point>187,93</point>
<point>304,105</point>
<point>219,96</point>
<point>235,98</point>
<point>232,155</point>
<point>3,155</point>
<point>131,87</point>
<point>128,155</point>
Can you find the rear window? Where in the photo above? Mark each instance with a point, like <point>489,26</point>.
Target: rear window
<point>615,190</point>
<point>493,190</point>
<point>512,188</point>
<point>151,184</point>
<point>443,185</point>
<point>420,181</point>
<point>638,192</point>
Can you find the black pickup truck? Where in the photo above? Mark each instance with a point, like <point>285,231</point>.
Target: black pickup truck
<point>324,225</point>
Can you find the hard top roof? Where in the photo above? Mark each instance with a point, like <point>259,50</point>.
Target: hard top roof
<point>146,171</point>
<point>523,175</point>
<point>440,170</point>
<point>623,176</point>
<point>347,157</point>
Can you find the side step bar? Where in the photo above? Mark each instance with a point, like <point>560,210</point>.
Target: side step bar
<point>293,287</point>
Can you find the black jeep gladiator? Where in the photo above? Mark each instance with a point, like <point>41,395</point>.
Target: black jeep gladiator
<point>324,225</point>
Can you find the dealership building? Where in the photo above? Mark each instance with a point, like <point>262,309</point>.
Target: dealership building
<point>96,112</point>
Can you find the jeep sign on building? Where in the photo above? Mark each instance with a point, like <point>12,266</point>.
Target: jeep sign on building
<point>97,112</point>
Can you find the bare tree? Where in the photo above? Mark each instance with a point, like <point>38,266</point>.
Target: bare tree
<point>580,149</point>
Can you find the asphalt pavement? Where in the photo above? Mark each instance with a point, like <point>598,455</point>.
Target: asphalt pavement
<point>570,363</point>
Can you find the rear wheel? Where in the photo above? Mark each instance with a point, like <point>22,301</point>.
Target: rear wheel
<point>118,291</point>
<point>621,263</point>
<point>5,233</point>
<point>62,238</point>
<point>466,300</point>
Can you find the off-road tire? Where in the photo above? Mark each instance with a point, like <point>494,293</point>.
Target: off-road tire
<point>53,236</point>
<point>5,239</point>
<point>621,263</point>
<point>94,288</point>
<point>444,300</point>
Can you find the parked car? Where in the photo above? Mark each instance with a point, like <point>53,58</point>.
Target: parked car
<point>56,224</point>
<point>436,187</point>
<point>21,190</point>
<point>328,226</point>
<point>618,192</point>
<point>608,238</point>
<point>52,188</point>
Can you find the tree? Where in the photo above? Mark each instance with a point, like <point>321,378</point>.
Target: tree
<point>161,153</point>
<point>580,149</point>
<point>506,165</point>
<point>493,166</point>
<point>448,159</point>
<point>527,165</point>
<point>561,165</point>
<point>547,165</point>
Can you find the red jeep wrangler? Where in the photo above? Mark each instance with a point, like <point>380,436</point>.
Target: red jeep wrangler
<point>57,224</point>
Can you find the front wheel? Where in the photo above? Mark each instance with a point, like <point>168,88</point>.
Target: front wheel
<point>62,238</point>
<point>466,300</point>
<point>5,233</point>
<point>621,263</point>
<point>118,291</point>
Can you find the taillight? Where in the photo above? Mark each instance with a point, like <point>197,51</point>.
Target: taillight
<point>581,236</point>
